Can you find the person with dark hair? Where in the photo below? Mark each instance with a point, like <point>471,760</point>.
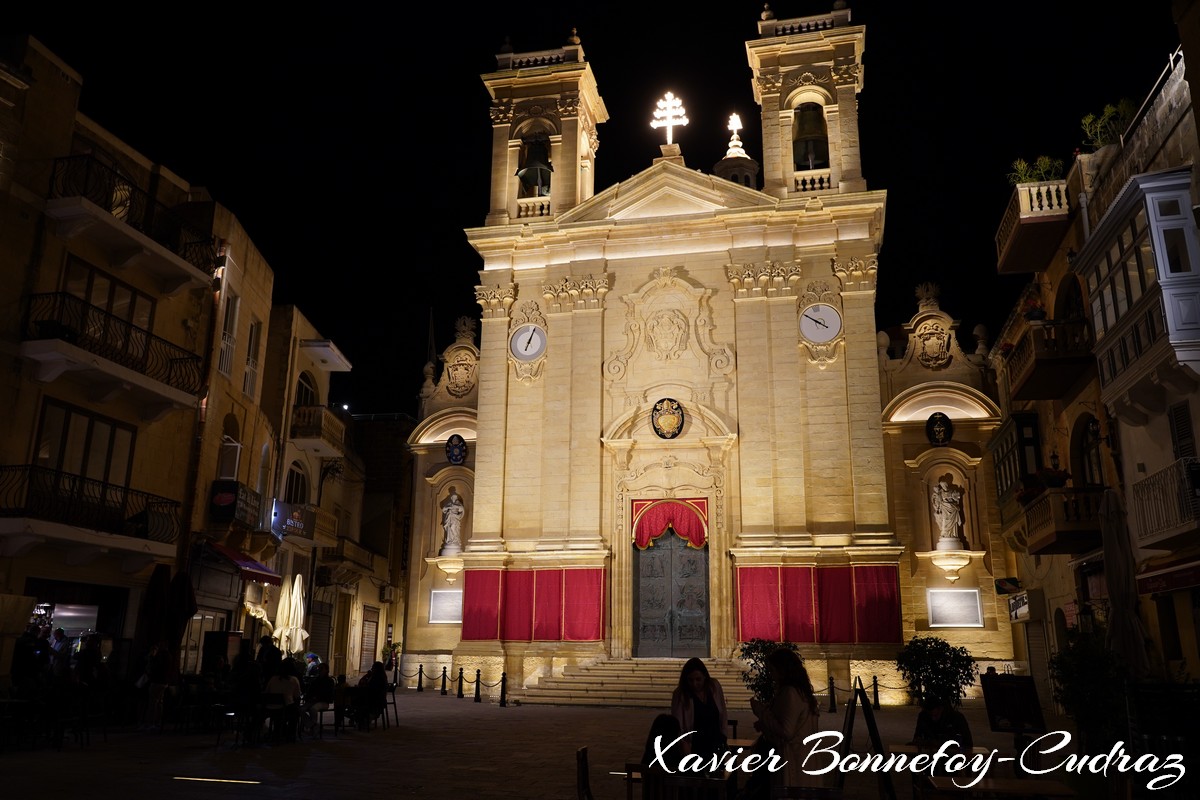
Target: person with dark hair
<point>318,697</point>
<point>698,702</point>
<point>666,727</point>
<point>269,656</point>
<point>370,699</point>
<point>938,723</point>
<point>784,723</point>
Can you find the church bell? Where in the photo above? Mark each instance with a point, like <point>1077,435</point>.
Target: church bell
<point>535,170</point>
<point>810,138</point>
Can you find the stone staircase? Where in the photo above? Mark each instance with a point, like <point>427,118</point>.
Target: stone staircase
<point>633,683</point>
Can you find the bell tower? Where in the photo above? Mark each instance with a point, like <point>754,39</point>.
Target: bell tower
<point>807,75</point>
<point>545,109</point>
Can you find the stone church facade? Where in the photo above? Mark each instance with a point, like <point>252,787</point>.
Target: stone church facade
<point>675,426</point>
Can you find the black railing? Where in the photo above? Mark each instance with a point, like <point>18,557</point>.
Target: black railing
<point>63,316</point>
<point>85,176</point>
<point>56,496</point>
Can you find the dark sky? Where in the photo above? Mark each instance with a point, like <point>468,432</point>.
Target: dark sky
<point>355,148</point>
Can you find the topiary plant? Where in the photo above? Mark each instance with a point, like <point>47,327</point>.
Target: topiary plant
<point>756,678</point>
<point>932,668</point>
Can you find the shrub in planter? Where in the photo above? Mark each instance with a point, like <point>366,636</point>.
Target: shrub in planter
<point>933,668</point>
<point>756,678</point>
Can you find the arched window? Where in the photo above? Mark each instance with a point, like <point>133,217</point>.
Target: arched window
<point>306,391</point>
<point>295,491</point>
<point>1091,464</point>
<point>810,138</point>
<point>264,469</point>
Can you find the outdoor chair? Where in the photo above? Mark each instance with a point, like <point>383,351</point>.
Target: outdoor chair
<point>391,701</point>
<point>583,784</point>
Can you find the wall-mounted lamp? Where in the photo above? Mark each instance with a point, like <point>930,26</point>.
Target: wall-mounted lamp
<point>1054,460</point>
<point>1093,428</point>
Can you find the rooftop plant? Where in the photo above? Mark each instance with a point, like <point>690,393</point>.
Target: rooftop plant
<point>1106,127</point>
<point>1043,168</point>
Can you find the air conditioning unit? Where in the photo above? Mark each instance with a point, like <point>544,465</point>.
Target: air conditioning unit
<point>387,594</point>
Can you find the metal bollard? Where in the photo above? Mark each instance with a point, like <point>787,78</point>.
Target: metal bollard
<point>460,681</point>
<point>478,681</point>
<point>832,696</point>
<point>420,677</point>
<point>503,689</point>
<point>875,692</point>
<point>443,680</point>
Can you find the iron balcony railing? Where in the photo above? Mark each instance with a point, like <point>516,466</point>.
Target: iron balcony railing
<point>63,316</point>
<point>85,176</point>
<point>1168,500</point>
<point>56,496</point>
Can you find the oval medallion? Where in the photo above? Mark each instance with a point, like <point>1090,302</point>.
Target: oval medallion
<point>456,449</point>
<point>939,429</point>
<point>667,418</point>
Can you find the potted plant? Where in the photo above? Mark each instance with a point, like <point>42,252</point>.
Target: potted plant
<point>1105,128</point>
<point>1082,672</point>
<point>933,668</point>
<point>1043,169</point>
<point>1032,308</point>
<point>756,678</point>
<point>1031,488</point>
<point>1052,477</point>
<point>1006,348</point>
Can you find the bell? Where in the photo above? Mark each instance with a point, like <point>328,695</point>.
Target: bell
<point>810,138</point>
<point>534,173</point>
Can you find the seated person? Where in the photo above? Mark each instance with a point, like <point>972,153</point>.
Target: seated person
<point>939,722</point>
<point>318,697</point>
<point>284,709</point>
<point>371,697</point>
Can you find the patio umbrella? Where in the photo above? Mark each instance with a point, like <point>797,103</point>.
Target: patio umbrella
<point>1126,633</point>
<point>296,633</point>
<point>283,619</point>
<point>181,607</point>
<point>152,613</point>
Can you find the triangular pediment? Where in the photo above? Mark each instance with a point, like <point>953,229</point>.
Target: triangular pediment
<point>667,190</point>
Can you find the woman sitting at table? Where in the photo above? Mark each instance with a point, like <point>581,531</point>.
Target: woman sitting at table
<point>938,723</point>
<point>698,702</point>
<point>784,723</point>
<point>371,697</point>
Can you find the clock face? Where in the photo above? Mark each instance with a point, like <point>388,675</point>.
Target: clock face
<point>820,323</point>
<point>527,342</point>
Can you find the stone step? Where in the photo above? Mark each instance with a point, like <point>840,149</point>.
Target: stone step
<point>634,683</point>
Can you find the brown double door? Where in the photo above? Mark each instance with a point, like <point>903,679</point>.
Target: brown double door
<point>670,600</point>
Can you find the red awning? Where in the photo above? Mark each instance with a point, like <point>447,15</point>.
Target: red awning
<point>250,569</point>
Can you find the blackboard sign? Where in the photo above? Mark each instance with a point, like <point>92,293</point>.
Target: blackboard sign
<point>1012,703</point>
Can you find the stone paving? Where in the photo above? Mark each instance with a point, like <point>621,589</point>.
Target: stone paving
<point>444,747</point>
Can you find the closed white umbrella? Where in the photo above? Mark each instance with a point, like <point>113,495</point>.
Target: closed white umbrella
<point>296,633</point>
<point>281,634</point>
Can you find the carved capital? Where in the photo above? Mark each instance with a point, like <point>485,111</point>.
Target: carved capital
<point>856,275</point>
<point>767,279</point>
<point>770,84</point>
<point>845,73</point>
<point>501,113</point>
<point>495,300</point>
<point>573,293</point>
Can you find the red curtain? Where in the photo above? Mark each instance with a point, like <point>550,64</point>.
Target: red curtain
<point>547,604</point>
<point>877,603</point>
<point>481,604</point>
<point>518,606</point>
<point>687,517</point>
<point>758,603</point>
<point>583,605</point>
<point>799,605</point>
<point>835,609</point>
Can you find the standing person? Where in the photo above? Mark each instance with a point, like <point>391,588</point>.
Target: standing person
<point>698,702</point>
<point>60,655</point>
<point>791,715</point>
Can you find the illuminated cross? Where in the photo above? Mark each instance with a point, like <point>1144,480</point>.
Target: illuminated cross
<point>735,123</point>
<point>669,114</point>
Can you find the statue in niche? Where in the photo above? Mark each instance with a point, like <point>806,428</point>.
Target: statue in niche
<point>453,511</point>
<point>947,499</point>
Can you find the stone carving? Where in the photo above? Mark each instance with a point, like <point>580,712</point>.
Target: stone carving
<point>933,345</point>
<point>666,334</point>
<point>769,278</point>
<point>947,500</point>
<point>857,274</point>
<point>453,512</point>
<point>495,300</point>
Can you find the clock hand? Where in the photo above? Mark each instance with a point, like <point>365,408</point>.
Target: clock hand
<point>818,321</point>
<point>530,339</point>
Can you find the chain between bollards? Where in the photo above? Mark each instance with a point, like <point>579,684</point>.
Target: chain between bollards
<point>420,677</point>
<point>832,696</point>
<point>478,672</point>
<point>460,681</point>
<point>503,689</point>
<point>443,680</point>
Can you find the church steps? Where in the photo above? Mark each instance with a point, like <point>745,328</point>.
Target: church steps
<point>633,683</point>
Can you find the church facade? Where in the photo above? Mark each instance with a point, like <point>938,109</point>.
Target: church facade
<point>675,426</point>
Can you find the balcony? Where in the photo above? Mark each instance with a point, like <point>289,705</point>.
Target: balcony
<point>64,334</point>
<point>318,430</point>
<point>47,494</point>
<point>91,200</point>
<point>1048,359</point>
<point>1064,522</point>
<point>813,181</point>
<point>1166,506</point>
<point>349,558</point>
<point>234,503</point>
<point>1032,227</point>
<point>327,528</point>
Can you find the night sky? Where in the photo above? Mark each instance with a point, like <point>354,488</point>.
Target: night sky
<point>355,147</point>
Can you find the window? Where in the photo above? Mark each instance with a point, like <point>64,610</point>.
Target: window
<point>295,491</point>
<point>231,455</point>
<point>253,344</point>
<point>1177,248</point>
<point>1090,456</point>
<point>113,312</point>
<point>228,334</point>
<point>306,391</point>
<point>1183,440</point>
<point>79,443</point>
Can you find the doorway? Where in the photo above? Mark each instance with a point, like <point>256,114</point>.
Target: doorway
<point>670,599</point>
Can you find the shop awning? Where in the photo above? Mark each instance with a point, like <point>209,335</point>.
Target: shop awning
<point>250,569</point>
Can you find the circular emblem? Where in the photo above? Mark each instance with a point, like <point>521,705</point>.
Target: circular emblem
<point>456,449</point>
<point>667,418</point>
<point>939,429</point>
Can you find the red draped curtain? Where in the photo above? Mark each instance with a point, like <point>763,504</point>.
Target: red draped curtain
<point>835,604</point>
<point>687,517</point>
